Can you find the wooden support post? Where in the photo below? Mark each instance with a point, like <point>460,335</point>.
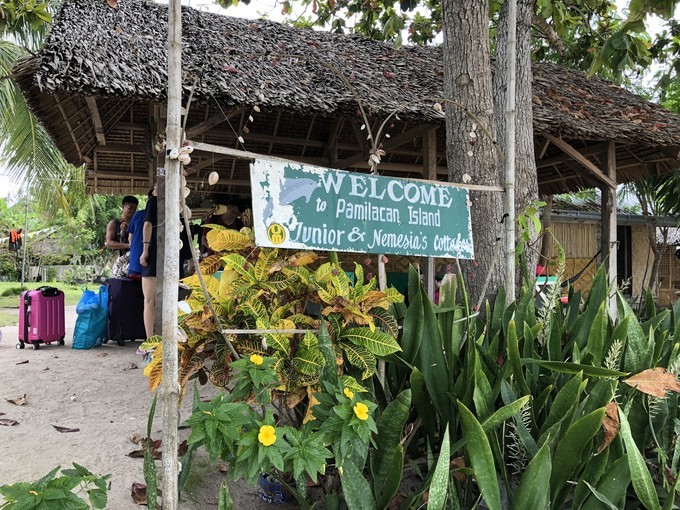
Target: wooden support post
<point>170,264</point>
<point>608,221</point>
<point>430,174</point>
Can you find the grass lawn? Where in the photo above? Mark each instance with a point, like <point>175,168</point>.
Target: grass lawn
<point>8,319</point>
<point>72,293</point>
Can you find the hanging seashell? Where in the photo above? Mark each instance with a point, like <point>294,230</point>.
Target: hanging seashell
<point>213,177</point>
<point>187,213</point>
<point>183,180</point>
<point>185,159</point>
<point>186,191</point>
<point>181,244</point>
<point>184,307</point>
<point>174,154</point>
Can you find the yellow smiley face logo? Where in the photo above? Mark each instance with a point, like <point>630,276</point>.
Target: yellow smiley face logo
<point>276,233</point>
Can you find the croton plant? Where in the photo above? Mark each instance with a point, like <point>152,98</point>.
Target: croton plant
<point>265,289</point>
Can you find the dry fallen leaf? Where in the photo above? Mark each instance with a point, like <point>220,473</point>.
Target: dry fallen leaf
<point>222,466</point>
<point>19,401</point>
<point>654,381</point>
<point>133,366</point>
<point>139,494</point>
<point>65,430</point>
<point>136,438</point>
<point>611,425</point>
<point>456,463</point>
<point>7,422</point>
<point>21,362</point>
<point>112,3</point>
<point>102,355</point>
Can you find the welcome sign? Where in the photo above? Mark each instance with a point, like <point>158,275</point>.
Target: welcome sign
<point>308,207</point>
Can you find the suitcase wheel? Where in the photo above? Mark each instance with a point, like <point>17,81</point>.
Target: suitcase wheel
<point>35,346</point>
<point>121,342</point>
<point>20,345</point>
<point>61,341</point>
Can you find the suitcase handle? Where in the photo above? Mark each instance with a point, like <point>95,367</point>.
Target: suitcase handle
<point>49,291</point>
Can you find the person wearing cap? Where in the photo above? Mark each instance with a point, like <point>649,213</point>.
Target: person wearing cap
<point>228,216</point>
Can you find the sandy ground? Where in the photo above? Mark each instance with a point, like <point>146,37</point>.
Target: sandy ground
<point>101,393</point>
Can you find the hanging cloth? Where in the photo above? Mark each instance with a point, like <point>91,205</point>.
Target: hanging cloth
<point>15,239</point>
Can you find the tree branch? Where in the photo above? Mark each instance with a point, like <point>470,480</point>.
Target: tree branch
<point>553,37</point>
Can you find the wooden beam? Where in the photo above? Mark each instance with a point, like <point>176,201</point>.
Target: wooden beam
<point>211,122</point>
<point>96,120</point>
<point>208,161</point>
<point>138,176</point>
<point>68,125</point>
<point>541,152</point>
<point>586,151</point>
<point>331,149</point>
<point>121,147</point>
<point>582,160</point>
<point>390,143</point>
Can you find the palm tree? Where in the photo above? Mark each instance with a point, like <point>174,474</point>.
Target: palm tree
<point>27,152</point>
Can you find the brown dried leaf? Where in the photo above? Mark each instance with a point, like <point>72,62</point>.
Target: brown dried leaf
<point>654,381</point>
<point>136,438</point>
<point>133,366</point>
<point>138,494</point>
<point>222,466</point>
<point>65,430</point>
<point>8,422</point>
<point>611,425</point>
<point>183,448</point>
<point>103,355</point>
<point>19,401</point>
<point>389,75</point>
<point>457,463</point>
<point>112,3</point>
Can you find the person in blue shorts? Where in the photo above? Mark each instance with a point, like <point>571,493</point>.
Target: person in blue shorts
<point>136,244</point>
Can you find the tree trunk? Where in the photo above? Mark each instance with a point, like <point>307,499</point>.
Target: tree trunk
<point>470,135</point>
<point>526,183</point>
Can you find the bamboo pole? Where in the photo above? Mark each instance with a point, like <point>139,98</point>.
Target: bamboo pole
<point>510,116</point>
<point>170,382</point>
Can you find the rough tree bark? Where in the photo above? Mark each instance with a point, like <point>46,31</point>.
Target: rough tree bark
<point>467,81</point>
<point>526,182</point>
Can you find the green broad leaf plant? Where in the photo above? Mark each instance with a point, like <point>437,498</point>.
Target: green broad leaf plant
<point>56,492</point>
<point>523,407</point>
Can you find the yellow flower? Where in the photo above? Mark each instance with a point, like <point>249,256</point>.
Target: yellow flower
<point>256,359</point>
<point>267,435</point>
<point>361,411</point>
<point>349,393</point>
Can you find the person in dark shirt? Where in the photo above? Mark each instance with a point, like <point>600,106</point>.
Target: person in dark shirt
<point>147,261</point>
<point>117,229</point>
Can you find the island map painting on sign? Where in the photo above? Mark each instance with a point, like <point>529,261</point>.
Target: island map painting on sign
<point>309,207</point>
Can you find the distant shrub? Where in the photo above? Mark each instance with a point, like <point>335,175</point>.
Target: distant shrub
<point>12,291</point>
<point>51,274</point>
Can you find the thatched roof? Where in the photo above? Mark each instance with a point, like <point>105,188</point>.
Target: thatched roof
<point>118,56</point>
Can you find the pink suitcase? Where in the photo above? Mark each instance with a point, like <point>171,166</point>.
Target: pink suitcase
<point>41,317</point>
